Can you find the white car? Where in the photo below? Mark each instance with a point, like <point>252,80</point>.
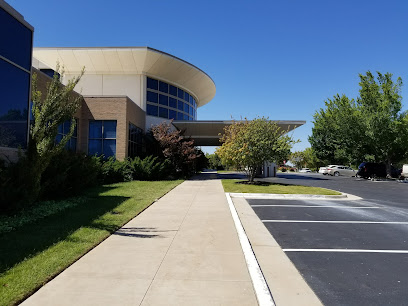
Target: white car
<point>342,170</point>
<point>404,172</point>
<point>325,170</point>
<point>304,170</point>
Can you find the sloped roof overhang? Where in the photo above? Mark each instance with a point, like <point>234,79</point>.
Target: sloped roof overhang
<point>207,133</point>
<point>131,60</point>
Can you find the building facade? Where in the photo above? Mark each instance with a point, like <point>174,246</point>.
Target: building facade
<point>16,39</point>
<point>125,92</point>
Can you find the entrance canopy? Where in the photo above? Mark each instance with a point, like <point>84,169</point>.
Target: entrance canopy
<point>206,133</point>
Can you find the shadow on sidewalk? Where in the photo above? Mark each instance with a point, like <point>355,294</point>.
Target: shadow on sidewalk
<point>137,232</point>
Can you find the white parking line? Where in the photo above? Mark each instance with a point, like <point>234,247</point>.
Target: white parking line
<point>355,222</point>
<point>347,251</point>
<point>313,206</point>
<point>261,288</point>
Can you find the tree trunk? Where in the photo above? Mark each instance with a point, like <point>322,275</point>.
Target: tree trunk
<point>388,168</point>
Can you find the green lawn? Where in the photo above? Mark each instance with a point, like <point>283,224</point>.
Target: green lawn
<point>236,186</point>
<point>35,252</point>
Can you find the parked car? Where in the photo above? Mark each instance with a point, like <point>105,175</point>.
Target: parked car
<point>325,170</point>
<point>404,171</point>
<point>367,170</point>
<point>341,170</point>
<point>304,170</point>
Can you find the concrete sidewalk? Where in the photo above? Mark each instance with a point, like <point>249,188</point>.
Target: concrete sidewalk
<point>182,250</point>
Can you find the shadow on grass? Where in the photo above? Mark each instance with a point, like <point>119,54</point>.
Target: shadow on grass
<point>33,238</point>
<point>263,183</point>
<point>231,176</point>
<point>300,177</point>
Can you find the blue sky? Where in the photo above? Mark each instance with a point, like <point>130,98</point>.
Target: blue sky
<point>278,59</point>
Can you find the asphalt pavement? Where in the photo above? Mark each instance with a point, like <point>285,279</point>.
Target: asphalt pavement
<point>349,252</point>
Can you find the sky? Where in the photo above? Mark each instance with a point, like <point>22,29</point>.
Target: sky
<point>277,59</point>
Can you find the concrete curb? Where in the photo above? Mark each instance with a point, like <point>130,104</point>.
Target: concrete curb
<point>287,196</point>
<point>286,284</point>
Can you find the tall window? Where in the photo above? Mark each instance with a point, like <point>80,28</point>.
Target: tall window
<point>15,72</point>
<point>63,129</point>
<point>135,140</point>
<point>168,101</point>
<point>102,138</point>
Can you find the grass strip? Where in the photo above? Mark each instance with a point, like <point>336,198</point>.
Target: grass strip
<point>34,253</point>
<point>239,186</point>
<point>39,211</point>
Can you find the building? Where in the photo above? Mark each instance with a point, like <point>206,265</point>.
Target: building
<point>127,90</point>
<point>124,92</point>
<point>16,39</point>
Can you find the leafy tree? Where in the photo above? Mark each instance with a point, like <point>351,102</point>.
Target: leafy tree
<point>180,152</point>
<point>297,158</point>
<point>214,161</point>
<point>306,158</point>
<point>370,128</point>
<point>58,105</point>
<point>249,143</point>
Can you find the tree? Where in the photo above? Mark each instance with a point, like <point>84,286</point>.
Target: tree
<point>370,128</point>
<point>58,105</point>
<point>214,161</point>
<point>180,152</point>
<point>297,158</point>
<point>250,143</point>
<point>306,158</point>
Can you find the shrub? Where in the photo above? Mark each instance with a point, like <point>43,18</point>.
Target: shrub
<point>149,168</point>
<point>283,169</point>
<point>114,171</point>
<point>14,179</point>
<point>69,174</point>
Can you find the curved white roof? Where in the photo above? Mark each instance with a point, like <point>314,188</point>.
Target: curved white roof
<point>132,60</point>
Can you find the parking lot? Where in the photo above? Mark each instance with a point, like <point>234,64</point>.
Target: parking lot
<point>349,252</point>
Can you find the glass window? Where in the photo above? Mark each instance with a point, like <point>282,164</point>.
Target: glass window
<point>109,129</point>
<point>163,87</point>
<point>163,112</point>
<point>180,93</point>
<point>64,129</point>
<point>172,102</point>
<point>109,147</point>
<point>16,40</point>
<point>173,90</point>
<point>14,103</point>
<point>172,114</point>
<point>152,97</point>
<point>94,146</point>
<point>152,110</point>
<point>49,72</point>
<point>185,117</point>
<point>135,146</point>
<point>95,129</point>
<point>152,83</point>
<point>163,100</point>
<point>167,101</point>
<point>102,137</point>
<point>179,116</point>
<point>180,105</point>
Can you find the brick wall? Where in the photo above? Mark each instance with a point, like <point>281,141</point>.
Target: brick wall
<point>119,108</point>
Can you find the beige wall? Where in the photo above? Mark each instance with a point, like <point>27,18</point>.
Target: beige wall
<point>130,85</point>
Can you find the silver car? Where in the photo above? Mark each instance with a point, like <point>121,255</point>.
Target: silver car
<point>342,170</point>
<point>325,170</point>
